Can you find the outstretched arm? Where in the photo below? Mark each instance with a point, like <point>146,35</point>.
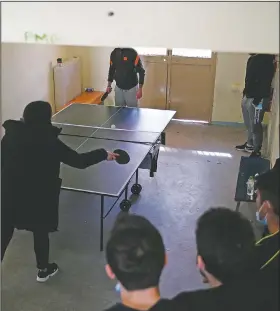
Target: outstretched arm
<point>80,160</point>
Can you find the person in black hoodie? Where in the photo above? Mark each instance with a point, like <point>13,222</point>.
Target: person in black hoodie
<point>256,98</point>
<point>31,153</point>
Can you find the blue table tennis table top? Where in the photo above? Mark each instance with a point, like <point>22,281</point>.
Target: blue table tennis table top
<point>88,127</point>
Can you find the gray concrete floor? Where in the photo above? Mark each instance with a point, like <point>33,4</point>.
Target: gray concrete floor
<point>188,182</point>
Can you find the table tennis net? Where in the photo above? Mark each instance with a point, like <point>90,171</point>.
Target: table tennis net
<point>133,136</point>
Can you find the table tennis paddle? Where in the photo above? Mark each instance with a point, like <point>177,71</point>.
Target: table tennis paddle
<point>123,157</point>
<point>104,96</point>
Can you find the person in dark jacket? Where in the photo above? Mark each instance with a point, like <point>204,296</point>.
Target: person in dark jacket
<point>256,98</point>
<point>125,65</point>
<point>268,207</point>
<point>31,153</point>
<point>226,257</point>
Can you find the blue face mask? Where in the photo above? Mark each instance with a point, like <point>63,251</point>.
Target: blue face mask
<point>262,221</point>
<point>118,287</point>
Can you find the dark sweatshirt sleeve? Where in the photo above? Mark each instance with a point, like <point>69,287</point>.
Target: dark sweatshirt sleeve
<point>80,160</point>
<point>3,151</point>
<point>112,67</point>
<point>140,69</point>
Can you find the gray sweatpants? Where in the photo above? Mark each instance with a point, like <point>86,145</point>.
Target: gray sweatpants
<point>253,122</point>
<point>126,97</point>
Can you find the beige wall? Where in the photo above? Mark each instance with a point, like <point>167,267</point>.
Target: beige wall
<point>95,66</point>
<point>26,75</point>
<point>273,127</point>
<point>84,54</point>
<point>99,66</point>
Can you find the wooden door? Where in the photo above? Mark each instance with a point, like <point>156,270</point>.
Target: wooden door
<point>191,87</point>
<point>155,86</point>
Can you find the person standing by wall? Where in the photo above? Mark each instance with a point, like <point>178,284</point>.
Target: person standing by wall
<point>125,66</point>
<point>256,99</point>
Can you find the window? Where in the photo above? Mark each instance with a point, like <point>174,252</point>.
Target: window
<point>192,53</point>
<point>151,51</point>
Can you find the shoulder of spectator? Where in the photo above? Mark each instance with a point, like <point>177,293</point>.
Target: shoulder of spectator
<point>116,307</point>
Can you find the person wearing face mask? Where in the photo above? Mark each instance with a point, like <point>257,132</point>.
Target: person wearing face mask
<point>226,258</point>
<point>31,154</point>
<point>267,201</point>
<point>136,257</point>
<point>257,95</point>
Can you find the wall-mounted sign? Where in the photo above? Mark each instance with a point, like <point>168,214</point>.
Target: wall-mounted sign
<point>30,36</point>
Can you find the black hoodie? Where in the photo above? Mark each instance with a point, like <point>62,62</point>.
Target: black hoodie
<point>30,167</point>
<point>125,64</point>
<point>259,75</point>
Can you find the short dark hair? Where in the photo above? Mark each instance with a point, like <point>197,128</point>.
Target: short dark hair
<point>135,252</point>
<point>269,188</point>
<point>226,242</point>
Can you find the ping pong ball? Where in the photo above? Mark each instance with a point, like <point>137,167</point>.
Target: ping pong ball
<point>113,126</point>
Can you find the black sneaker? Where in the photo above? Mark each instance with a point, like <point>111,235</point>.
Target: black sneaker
<point>255,154</point>
<point>44,275</point>
<point>244,147</point>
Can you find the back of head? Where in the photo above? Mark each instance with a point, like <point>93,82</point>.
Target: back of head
<point>226,243</point>
<point>37,113</point>
<point>269,188</point>
<point>135,252</point>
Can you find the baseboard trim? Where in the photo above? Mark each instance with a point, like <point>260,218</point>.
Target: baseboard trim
<point>230,124</point>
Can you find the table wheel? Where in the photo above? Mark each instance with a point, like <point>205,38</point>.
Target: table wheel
<point>125,205</point>
<point>136,189</point>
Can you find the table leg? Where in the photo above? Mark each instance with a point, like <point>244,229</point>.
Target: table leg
<point>237,206</point>
<point>101,222</point>
<point>126,192</point>
<point>136,176</point>
<point>163,138</point>
<point>154,163</point>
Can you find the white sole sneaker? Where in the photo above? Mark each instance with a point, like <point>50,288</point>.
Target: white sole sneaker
<point>248,150</point>
<point>42,280</point>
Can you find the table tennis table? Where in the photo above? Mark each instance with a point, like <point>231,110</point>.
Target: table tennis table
<point>138,131</point>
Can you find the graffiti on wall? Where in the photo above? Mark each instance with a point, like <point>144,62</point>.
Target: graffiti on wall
<point>33,37</point>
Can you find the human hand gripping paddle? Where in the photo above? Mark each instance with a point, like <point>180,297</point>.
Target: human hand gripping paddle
<point>119,155</point>
<point>105,95</point>
<point>112,156</point>
<point>123,156</point>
